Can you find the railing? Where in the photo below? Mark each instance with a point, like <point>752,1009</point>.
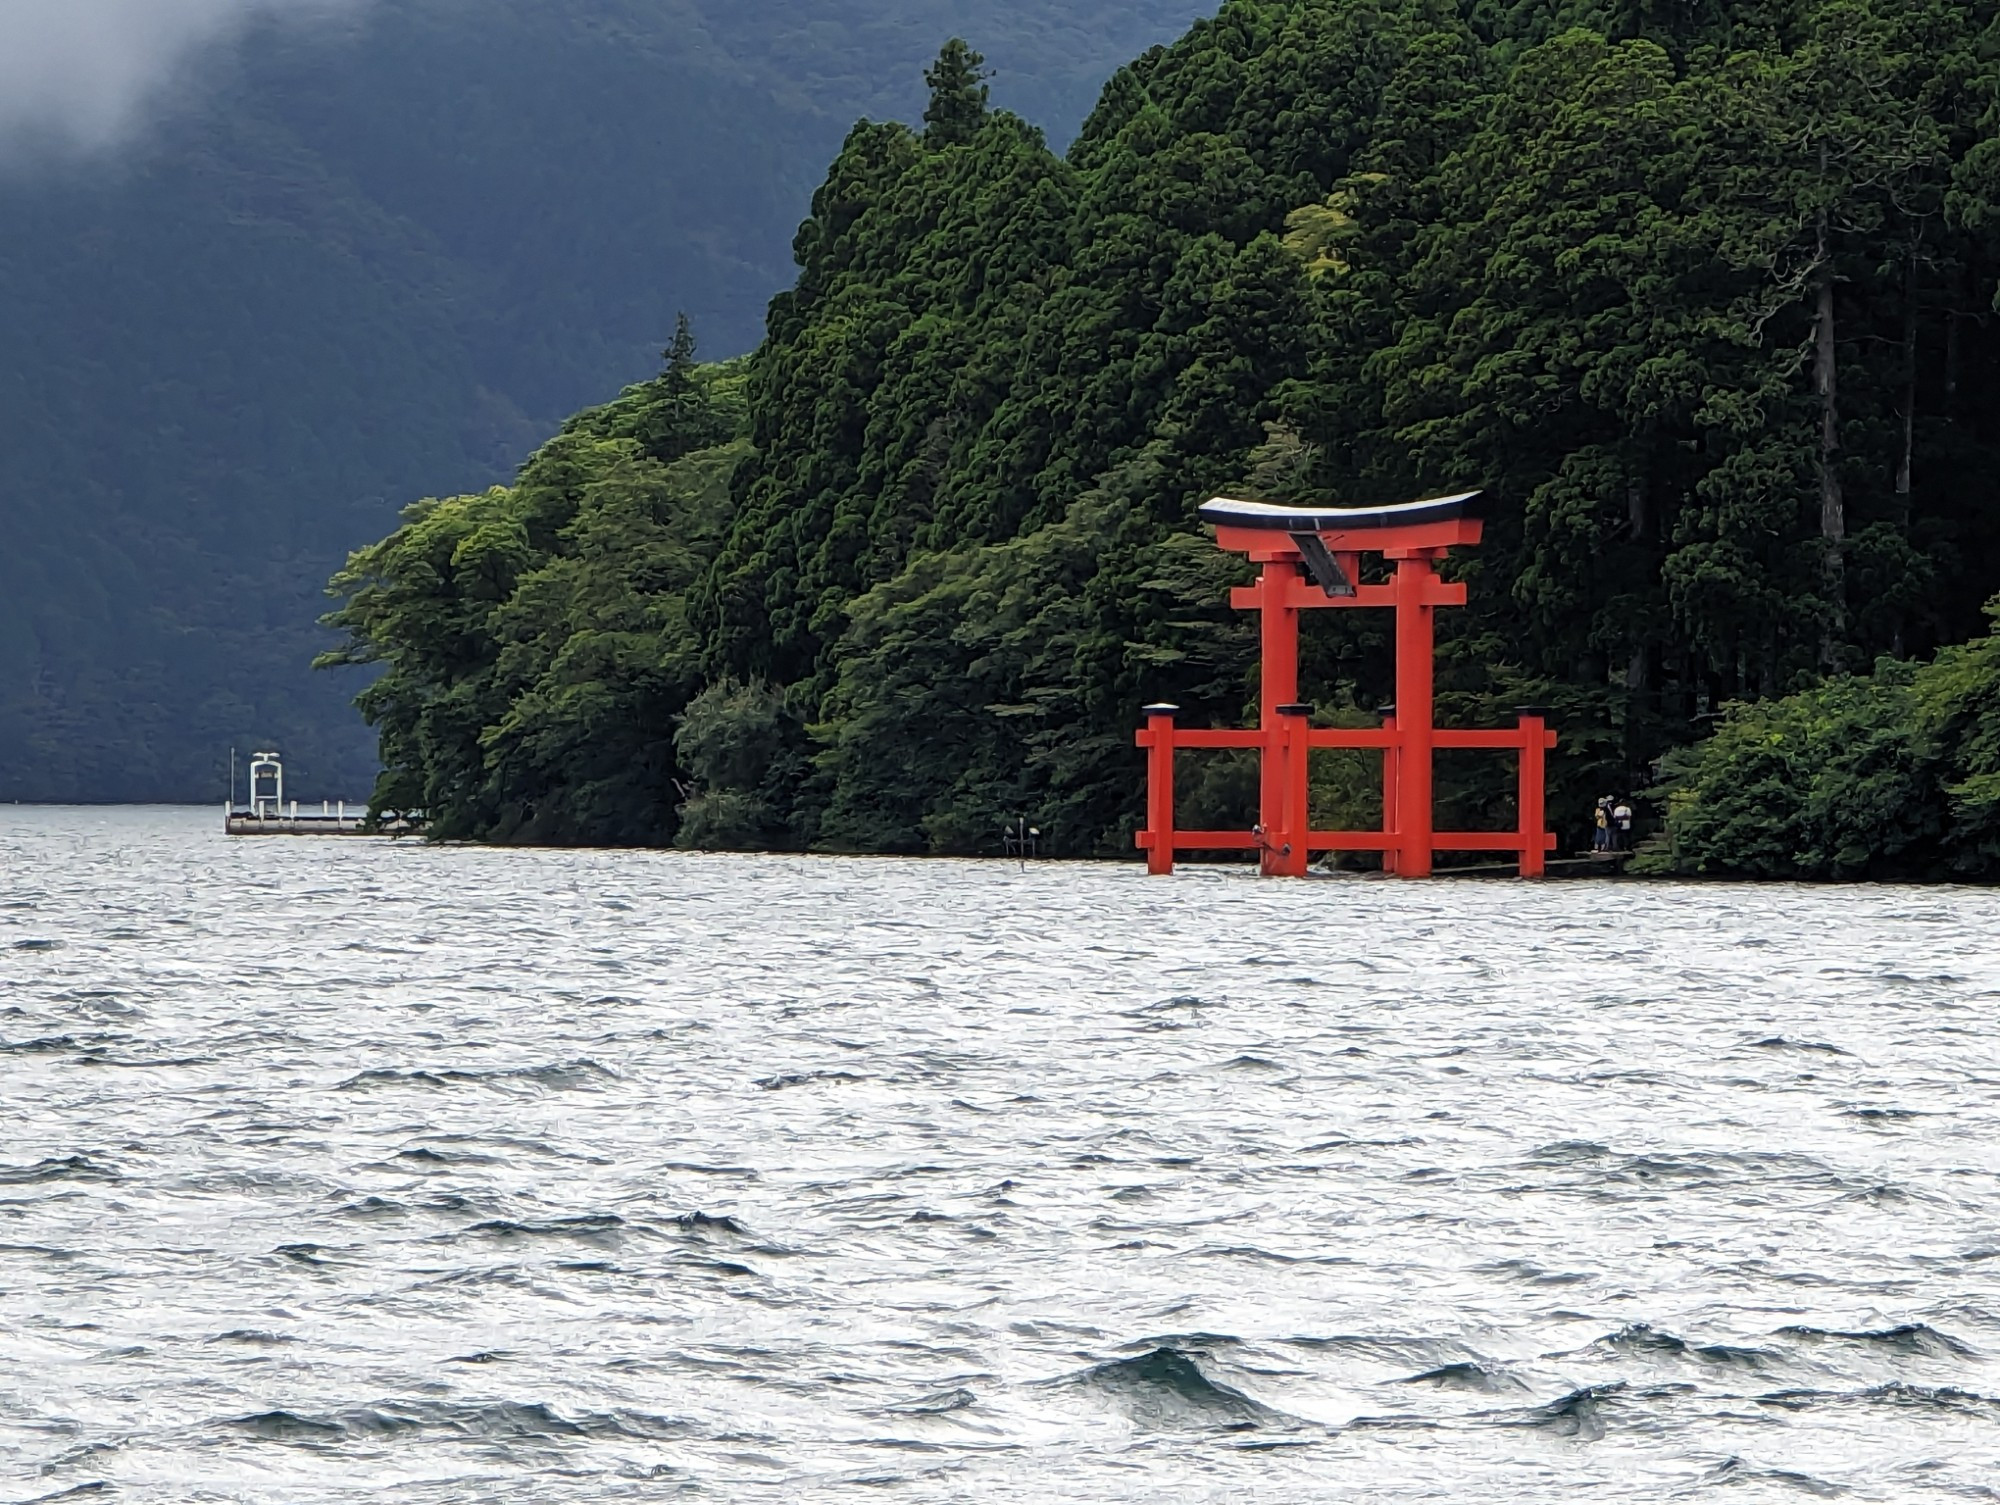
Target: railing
<point>332,818</point>
<point>1291,744</point>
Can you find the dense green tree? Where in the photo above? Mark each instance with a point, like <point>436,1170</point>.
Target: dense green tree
<point>533,639</point>
<point>996,680</point>
<point>746,754</point>
<point>680,418</point>
<point>1895,775</point>
<point>958,95</point>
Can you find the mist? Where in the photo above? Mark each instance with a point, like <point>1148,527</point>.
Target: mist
<point>83,75</point>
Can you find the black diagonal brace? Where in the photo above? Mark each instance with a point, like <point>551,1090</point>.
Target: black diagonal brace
<point>1322,566</point>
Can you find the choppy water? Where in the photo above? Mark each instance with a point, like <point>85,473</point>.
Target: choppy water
<point>342,1171</point>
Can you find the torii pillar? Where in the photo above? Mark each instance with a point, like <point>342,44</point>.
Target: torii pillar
<point>1310,558</point>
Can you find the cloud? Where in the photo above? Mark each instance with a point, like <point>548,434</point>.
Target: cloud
<point>82,73</point>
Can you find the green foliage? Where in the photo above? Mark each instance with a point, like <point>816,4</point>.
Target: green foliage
<point>533,639</point>
<point>958,95</point>
<point>1696,296</point>
<point>1890,776</point>
<point>745,752</point>
<point>997,680</point>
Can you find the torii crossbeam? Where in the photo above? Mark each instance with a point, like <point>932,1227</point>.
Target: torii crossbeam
<point>1311,557</point>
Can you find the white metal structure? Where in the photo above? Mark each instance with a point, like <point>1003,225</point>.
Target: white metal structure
<point>267,785</point>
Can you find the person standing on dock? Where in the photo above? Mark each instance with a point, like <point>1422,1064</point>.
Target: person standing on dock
<point>1621,827</point>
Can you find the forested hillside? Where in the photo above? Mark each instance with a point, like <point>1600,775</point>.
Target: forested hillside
<point>1702,297</point>
<point>353,263</point>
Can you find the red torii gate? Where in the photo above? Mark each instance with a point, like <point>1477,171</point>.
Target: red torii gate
<point>1311,558</point>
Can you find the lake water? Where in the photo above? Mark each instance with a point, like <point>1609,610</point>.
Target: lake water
<point>342,1170</point>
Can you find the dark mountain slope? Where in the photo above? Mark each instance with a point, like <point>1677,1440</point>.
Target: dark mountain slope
<point>359,266</point>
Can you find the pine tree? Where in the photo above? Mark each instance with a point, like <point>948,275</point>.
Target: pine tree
<point>677,372</point>
<point>958,95</point>
<point>681,419</point>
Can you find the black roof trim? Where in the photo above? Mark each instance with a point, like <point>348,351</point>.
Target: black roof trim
<point>1280,518</point>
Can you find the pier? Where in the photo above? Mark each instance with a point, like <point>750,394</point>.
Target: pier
<point>270,814</point>
<point>329,820</point>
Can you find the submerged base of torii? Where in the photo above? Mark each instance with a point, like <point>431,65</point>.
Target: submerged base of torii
<point>1311,558</point>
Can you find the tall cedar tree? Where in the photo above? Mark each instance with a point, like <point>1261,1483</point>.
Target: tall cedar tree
<point>958,95</point>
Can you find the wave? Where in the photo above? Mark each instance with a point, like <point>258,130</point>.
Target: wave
<point>580,1074</point>
<point>1643,1338</point>
<point>710,1225</point>
<point>1591,1170</point>
<point>1735,1472</point>
<point>425,1155</point>
<point>1815,1047</point>
<point>1197,1345</point>
<point>698,1168</point>
<point>1912,1338</point>
<point>940,1404</point>
<point>287,1426</point>
<point>371,1207</point>
<point>1534,1274</point>
<point>1577,1414</point>
<point>1895,1393</point>
<point>1166,1387</point>
<point>46,1045</point>
<point>1400,1351</point>
<point>57,1168</point>
<point>498,1421</point>
<point>92,1057</point>
<point>1266,1256</point>
<point>1569,1152</point>
<point>1932,1397</point>
<point>383,1076</point>
<point>1686,1170</point>
<point>591,1227</point>
<point>1884,1195</point>
<point>1178,1012</point>
<point>805,1078</point>
<point>1466,1376</point>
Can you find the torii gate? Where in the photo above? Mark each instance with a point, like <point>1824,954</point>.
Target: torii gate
<point>1311,558</point>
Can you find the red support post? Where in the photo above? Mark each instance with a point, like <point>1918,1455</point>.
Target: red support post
<point>1280,687</point>
<point>1389,796</point>
<point>1160,788</point>
<point>1414,725</point>
<point>1288,855</point>
<point>1534,762</point>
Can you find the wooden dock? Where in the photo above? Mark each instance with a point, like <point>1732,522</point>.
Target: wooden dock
<point>328,820</point>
